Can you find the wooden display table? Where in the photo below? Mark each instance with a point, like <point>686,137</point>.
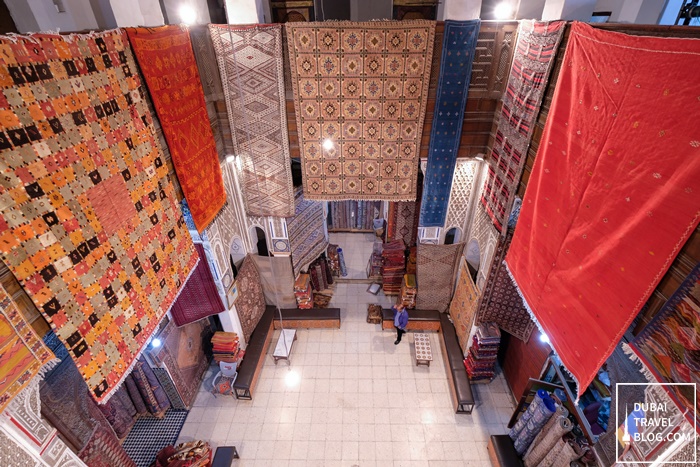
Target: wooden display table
<point>284,345</point>
<point>424,353</point>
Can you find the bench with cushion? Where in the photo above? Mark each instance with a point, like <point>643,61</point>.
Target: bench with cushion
<point>502,452</point>
<point>315,318</point>
<point>460,389</point>
<point>418,320</point>
<point>250,366</point>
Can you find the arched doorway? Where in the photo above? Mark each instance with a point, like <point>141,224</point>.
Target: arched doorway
<point>453,236</point>
<point>473,257</point>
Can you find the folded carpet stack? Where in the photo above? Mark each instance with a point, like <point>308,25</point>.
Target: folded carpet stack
<point>408,291</point>
<point>481,359</point>
<point>411,264</point>
<point>225,347</point>
<point>394,266</point>
<point>375,261</point>
<point>302,292</point>
<point>320,272</point>
<point>333,259</point>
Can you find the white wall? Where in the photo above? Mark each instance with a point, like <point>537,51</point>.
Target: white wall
<point>460,9</point>
<point>172,8</point>
<point>151,13</point>
<point>366,10</point>
<point>579,10</point>
<point>41,15</point>
<point>22,15</point>
<point>636,11</point>
<point>242,12</point>
<point>530,9</point>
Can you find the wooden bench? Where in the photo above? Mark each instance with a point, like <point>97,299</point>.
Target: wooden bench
<point>250,366</point>
<point>313,318</point>
<point>502,452</point>
<point>452,355</point>
<point>418,320</point>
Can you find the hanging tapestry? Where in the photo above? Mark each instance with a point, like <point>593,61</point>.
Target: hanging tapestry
<point>277,279</point>
<point>360,94</point>
<point>167,62</point>
<point>67,405</point>
<point>501,302</point>
<point>22,354</point>
<point>183,356</point>
<point>458,47</point>
<point>200,297</point>
<point>103,450</point>
<point>402,219</point>
<point>463,305</point>
<point>89,224</point>
<point>436,270</point>
<point>505,306</point>
<point>250,304</point>
<point>535,51</point>
<point>307,237</point>
<point>612,196</point>
<point>250,64</point>
<point>669,346</point>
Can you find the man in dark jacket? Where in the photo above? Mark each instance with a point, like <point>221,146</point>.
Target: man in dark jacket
<point>400,321</point>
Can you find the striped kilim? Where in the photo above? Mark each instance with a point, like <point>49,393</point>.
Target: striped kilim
<point>534,56</point>
<point>360,94</point>
<point>250,63</point>
<point>89,222</point>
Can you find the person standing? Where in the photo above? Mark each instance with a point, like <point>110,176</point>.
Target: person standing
<point>400,321</point>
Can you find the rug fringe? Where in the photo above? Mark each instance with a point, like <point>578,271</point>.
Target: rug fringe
<point>541,329</point>
<point>641,366</point>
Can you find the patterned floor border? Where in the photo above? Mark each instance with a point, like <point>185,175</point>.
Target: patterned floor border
<point>150,435</point>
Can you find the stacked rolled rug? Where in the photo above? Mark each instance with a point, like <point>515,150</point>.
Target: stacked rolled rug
<point>532,421</point>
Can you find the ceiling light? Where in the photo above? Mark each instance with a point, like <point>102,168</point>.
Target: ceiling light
<point>544,338</point>
<point>480,158</point>
<point>230,159</point>
<point>188,15</point>
<point>327,144</point>
<point>503,10</point>
<point>155,343</point>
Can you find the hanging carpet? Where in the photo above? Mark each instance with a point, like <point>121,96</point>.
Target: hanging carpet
<point>250,303</point>
<point>458,47</point>
<point>167,62</point>
<point>250,63</point>
<point>502,303</point>
<point>364,87</point>
<point>103,450</point>
<point>669,346</point>
<point>23,356</point>
<point>402,218</point>
<point>535,52</point>
<point>89,223</point>
<point>613,193</point>
<point>436,270</point>
<point>277,279</point>
<point>200,297</point>
<point>463,305</point>
<point>184,358</point>
<point>307,237</point>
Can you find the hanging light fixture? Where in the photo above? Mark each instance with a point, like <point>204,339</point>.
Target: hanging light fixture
<point>503,10</point>
<point>188,15</point>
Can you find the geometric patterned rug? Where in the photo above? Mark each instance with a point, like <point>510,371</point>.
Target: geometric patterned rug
<point>250,63</point>
<point>363,86</point>
<point>436,270</point>
<point>149,435</point>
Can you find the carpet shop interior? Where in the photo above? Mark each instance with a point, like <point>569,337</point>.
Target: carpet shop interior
<point>206,227</point>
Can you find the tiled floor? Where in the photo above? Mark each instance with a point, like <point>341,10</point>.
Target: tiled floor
<point>352,398</point>
<point>357,248</point>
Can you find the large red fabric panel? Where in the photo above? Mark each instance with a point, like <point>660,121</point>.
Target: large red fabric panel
<point>613,194</point>
<point>167,62</point>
